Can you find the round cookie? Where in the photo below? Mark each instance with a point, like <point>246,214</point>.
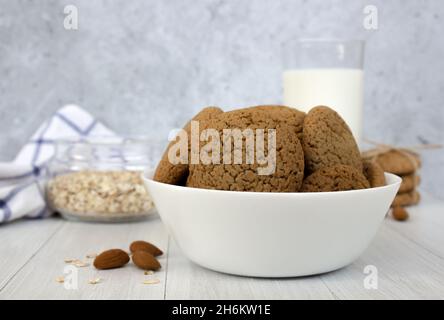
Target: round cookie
<point>409,182</point>
<point>374,173</point>
<point>399,161</point>
<point>406,199</point>
<point>167,172</point>
<point>288,165</point>
<point>338,177</point>
<point>327,141</point>
<point>291,116</point>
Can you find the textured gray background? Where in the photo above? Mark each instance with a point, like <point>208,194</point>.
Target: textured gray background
<point>146,66</point>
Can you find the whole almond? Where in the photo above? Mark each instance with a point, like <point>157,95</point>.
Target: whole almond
<point>145,246</point>
<point>399,213</point>
<point>145,260</point>
<point>110,259</point>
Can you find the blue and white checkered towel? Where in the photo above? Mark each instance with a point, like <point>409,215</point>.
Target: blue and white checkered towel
<point>22,180</point>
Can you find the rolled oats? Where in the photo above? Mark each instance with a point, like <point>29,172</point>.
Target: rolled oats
<point>151,281</point>
<point>95,281</point>
<point>90,193</point>
<point>80,264</point>
<point>60,279</point>
<point>76,262</point>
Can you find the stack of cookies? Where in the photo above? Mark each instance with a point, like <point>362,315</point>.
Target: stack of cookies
<point>404,163</point>
<point>314,152</point>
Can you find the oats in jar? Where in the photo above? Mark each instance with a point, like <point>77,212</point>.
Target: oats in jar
<point>99,193</point>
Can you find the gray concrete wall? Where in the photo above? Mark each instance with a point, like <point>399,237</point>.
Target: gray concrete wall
<point>146,66</point>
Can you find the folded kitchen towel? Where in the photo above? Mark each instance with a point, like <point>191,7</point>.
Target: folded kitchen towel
<point>22,180</point>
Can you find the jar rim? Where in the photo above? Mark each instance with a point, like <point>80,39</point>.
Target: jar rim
<point>107,140</point>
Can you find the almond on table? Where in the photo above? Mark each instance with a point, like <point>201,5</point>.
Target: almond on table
<point>141,245</point>
<point>145,260</point>
<point>110,259</point>
<point>400,213</point>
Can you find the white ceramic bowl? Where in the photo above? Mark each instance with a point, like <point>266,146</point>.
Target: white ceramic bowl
<point>272,234</point>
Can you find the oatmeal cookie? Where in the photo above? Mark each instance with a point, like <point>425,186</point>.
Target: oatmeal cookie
<point>167,172</point>
<point>338,177</point>
<point>374,173</point>
<point>397,161</point>
<point>409,182</point>
<point>291,116</point>
<point>406,199</point>
<point>289,163</point>
<point>327,141</point>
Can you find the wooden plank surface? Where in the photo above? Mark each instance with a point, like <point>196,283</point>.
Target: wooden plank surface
<point>20,241</point>
<point>37,279</point>
<point>425,226</point>
<point>408,257</point>
<point>186,280</point>
<point>404,271</point>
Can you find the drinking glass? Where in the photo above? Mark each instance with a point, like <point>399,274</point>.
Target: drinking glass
<point>329,73</point>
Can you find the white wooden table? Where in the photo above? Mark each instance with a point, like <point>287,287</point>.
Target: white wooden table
<point>409,257</point>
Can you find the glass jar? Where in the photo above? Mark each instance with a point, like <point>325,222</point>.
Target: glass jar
<point>99,179</point>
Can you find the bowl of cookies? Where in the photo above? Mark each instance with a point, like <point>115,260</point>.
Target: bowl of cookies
<point>270,191</point>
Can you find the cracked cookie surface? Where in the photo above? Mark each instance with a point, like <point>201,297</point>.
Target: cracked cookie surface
<point>293,117</point>
<point>409,182</point>
<point>327,141</point>
<point>289,165</point>
<point>374,173</point>
<point>167,172</point>
<point>406,199</point>
<point>398,161</point>
<point>335,178</point>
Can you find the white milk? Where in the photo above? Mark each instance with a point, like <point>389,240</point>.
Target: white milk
<point>340,89</point>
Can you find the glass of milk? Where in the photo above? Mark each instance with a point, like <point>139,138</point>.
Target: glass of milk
<point>329,73</point>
